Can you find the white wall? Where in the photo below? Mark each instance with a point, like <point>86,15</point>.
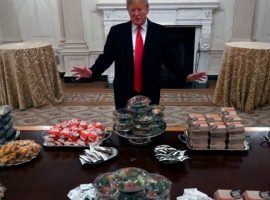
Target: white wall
<point>221,33</point>
<point>1,35</point>
<point>261,25</point>
<point>93,28</point>
<point>93,22</point>
<point>222,24</point>
<point>38,20</point>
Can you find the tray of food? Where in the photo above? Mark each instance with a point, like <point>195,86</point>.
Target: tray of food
<point>97,154</point>
<point>155,129</point>
<point>18,152</point>
<point>169,155</point>
<point>244,146</point>
<point>75,133</point>
<point>132,183</point>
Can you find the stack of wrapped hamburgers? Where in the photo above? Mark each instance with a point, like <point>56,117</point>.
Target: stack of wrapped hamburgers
<point>235,128</point>
<point>216,131</point>
<point>198,131</point>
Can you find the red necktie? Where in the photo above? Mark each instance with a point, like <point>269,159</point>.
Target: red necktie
<point>138,61</point>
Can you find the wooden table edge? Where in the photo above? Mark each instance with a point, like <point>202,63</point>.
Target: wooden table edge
<point>170,129</point>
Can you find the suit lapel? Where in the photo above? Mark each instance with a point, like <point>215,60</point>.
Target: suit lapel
<point>148,41</point>
<point>129,46</point>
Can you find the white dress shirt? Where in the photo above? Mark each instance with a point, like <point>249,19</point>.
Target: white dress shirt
<point>134,33</point>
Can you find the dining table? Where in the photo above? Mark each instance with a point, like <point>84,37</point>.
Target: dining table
<point>57,170</point>
<point>29,75</point>
<point>244,77</point>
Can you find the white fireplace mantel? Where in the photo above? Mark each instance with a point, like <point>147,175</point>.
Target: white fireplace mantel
<point>167,3</point>
<point>195,13</point>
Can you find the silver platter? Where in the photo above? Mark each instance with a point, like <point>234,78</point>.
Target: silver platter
<point>156,130</point>
<point>183,138</point>
<point>49,144</point>
<point>114,154</point>
<point>22,162</point>
<point>142,137</point>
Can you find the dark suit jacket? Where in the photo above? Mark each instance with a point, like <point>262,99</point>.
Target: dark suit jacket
<point>119,49</point>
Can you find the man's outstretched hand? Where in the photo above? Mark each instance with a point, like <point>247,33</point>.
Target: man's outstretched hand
<point>197,76</point>
<point>81,72</point>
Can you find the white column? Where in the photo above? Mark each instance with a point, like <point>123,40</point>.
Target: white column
<point>74,50</point>
<point>10,31</point>
<point>61,66</point>
<point>61,20</point>
<point>243,20</point>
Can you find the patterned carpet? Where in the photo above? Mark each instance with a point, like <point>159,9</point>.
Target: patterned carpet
<point>91,105</point>
<point>104,97</point>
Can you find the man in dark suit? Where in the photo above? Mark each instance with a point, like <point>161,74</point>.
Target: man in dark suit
<point>138,48</point>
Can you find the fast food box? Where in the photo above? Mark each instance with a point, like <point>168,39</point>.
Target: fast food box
<point>217,129</point>
<point>227,195</point>
<point>213,118</point>
<point>231,118</point>
<point>198,135</point>
<point>218,146</point>
<point>198,140</point>
<point>198,146</point>
<point>235,142</point>
<point>195,140</point>
<point>228,110</point>
<point>240,137</point>
<point>217,142</point>
<point>195,117</point>
<point>234,127</point>
<point>238,146</point>
<point>236,131</point>
<point>256,195</point>
<point>199,126</point>
<point>218,135</point>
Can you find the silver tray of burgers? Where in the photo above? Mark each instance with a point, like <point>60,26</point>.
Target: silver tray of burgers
<point>196,145</point>
<point>75,133</point>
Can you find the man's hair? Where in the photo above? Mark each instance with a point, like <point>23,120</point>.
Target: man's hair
<point>129,2</point>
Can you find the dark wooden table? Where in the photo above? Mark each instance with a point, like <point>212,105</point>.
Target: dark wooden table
<point>58,170</point>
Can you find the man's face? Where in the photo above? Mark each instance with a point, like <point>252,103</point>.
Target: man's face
<point>138,11</point>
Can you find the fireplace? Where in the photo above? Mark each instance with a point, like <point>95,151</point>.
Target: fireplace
<point>183,39</point>
<point>173,14</point>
